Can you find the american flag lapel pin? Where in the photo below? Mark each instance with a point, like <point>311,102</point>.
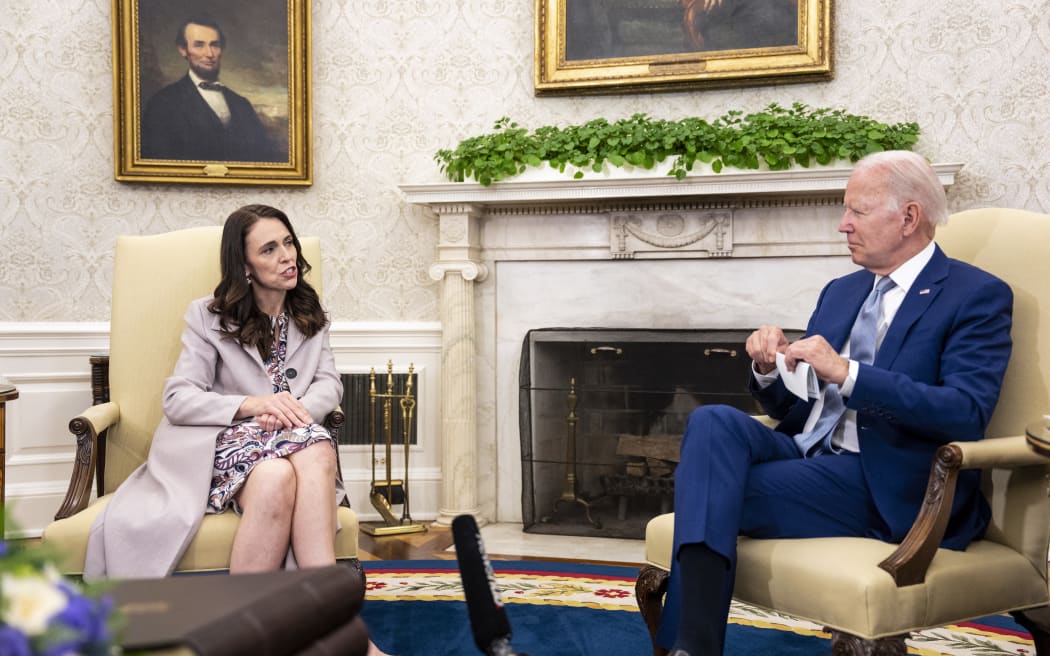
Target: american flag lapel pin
<point>924,291</point>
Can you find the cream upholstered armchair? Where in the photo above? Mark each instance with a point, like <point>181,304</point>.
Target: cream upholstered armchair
<point>154,279</point>
<point>870,594</point>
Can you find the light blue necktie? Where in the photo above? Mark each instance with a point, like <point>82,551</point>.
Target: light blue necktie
<point>861,349</point>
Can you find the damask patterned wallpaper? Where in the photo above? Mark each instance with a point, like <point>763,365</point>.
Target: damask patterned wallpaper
<point>394,80</point>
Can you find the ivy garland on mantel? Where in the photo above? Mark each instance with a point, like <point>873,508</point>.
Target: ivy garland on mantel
<point>776,138</point>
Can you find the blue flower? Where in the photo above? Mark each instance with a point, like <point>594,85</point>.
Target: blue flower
<point>13,643</point>
<point>86,618</point>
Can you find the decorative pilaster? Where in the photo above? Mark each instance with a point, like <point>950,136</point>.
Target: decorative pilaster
<point>458,269</point>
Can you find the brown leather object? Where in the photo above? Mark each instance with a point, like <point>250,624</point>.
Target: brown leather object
<point>274,614</point>
<point>350,639</point>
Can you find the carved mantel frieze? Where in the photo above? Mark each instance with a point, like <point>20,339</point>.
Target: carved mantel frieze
<point>730,214</point>
<point>671,234</point>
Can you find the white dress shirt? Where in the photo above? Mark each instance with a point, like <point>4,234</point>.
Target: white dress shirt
<point>845,435</point>
<point>215,98</point>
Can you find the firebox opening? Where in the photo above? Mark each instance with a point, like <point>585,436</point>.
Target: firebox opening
<point>601,416</point>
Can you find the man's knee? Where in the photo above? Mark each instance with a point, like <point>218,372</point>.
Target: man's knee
<point>714,422</point>
<point>715,414</point>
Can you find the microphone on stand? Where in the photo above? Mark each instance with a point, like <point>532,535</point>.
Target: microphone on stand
<point>488,620</point>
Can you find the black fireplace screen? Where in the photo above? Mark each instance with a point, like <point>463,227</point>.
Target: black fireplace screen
<point>601,419</point>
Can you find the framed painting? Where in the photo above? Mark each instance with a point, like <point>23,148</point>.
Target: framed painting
<point>212,92</point>
<point>617,46</point>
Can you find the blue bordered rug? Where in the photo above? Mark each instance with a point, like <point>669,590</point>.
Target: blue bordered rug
<point>416,608</point>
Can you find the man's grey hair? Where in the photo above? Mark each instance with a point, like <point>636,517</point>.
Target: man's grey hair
<point>911,179</point>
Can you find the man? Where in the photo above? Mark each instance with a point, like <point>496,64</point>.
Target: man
<point>199,118</point>
<point>910,352</point>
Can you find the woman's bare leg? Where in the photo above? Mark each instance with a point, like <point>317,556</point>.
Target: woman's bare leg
<point>313,517</point>
<point>313,520</point>
<point>267,500</point>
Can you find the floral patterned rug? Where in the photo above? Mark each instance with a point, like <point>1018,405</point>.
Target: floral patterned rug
<point>574,609</point>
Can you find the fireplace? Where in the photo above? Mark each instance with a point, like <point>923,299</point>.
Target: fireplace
<point>602,413</point>
<point>710,252</point>
<point>592,400</point>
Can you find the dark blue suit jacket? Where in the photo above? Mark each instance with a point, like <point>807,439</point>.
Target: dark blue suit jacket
<point>935,379</point>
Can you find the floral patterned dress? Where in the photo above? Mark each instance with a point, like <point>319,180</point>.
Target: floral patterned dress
<point>242,446</point>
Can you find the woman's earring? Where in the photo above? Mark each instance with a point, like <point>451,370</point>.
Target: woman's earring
<point>248,277</point>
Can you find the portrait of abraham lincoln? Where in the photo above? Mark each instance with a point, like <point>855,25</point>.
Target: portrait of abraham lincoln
<point>213,81</point>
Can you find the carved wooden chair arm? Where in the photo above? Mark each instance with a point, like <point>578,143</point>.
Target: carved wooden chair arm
<point>909,563</point>
<point>87,428</point>
<point>334,421</point>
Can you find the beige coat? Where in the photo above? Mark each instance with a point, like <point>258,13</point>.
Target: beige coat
<point>155,513</point>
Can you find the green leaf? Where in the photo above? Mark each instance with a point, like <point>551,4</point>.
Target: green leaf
<point>778,136</point>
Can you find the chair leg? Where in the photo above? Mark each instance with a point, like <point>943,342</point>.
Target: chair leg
<point>1037,622</point>
<point>844,644</point>
<point>649,592</point>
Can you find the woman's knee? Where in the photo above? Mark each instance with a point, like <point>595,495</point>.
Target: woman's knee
<point>271,482</point>
<point>319,456</point>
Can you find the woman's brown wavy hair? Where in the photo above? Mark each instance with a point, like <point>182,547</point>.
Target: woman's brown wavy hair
<point>234,301</point>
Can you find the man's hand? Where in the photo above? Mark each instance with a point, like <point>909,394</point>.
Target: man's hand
<point>281,410</point>
<point>763,346</point>
<point>825,360</point>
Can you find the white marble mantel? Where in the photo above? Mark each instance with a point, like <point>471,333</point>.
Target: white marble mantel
<point>653,252</point>
<point>610,187</point>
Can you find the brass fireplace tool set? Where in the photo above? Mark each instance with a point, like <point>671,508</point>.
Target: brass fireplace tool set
<point>569,493</point>
<point>389,492</point>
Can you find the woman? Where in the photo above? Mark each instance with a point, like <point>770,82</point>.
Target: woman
<point>240,430</point>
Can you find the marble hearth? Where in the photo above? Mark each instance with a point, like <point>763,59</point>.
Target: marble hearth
<point>726,251</point>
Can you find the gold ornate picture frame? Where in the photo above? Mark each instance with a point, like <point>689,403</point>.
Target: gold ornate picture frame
<point>212,93</point>
<point>617,46</point>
